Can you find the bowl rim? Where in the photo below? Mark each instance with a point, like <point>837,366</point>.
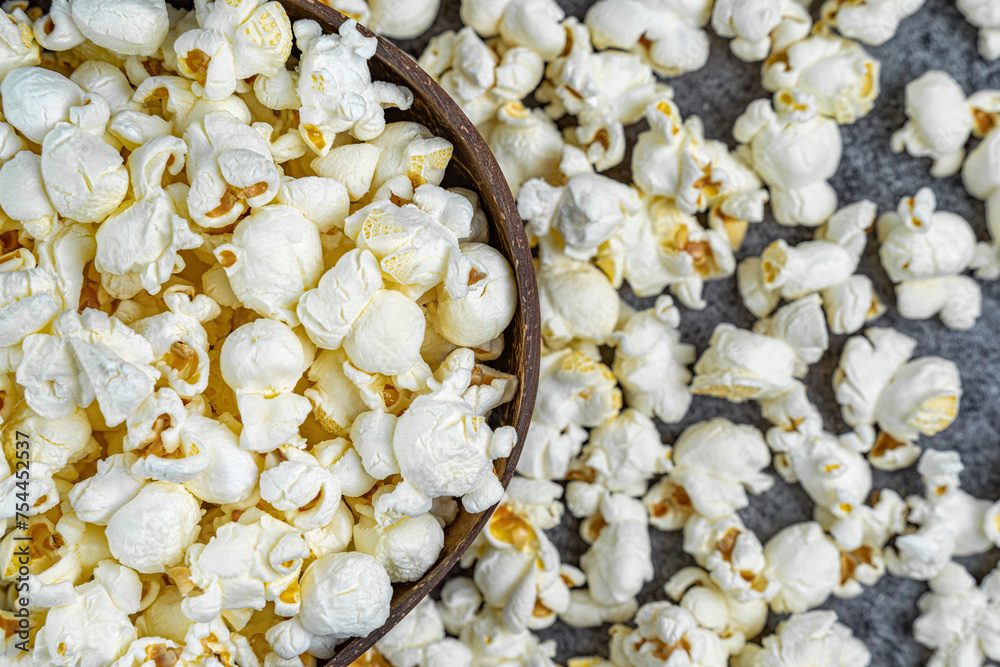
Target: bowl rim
<point>498,192</point>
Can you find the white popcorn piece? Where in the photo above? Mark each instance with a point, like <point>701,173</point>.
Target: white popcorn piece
<point>840,74</point>
<point>535,24</point>
<point>741,365</point>
<point>352,164</point>
<point>873,23</point>
<point>344,595</point>
<point>36,99</point>
<point>924,251</point>
<point>760,28</point>
<point>585,212</point>
<point>416,250</point>
<point>248,563</point>
<point>18,45</point>
<point>490,642</point>
<point>138,245</point>
<point>806,565</point>
<point>664,629</point>
<point>106,80</point>
<point>231,43</point>
<point>982,15</point>
<point>876,384</point>
<point>229,167</point>
<point>713,609</point>
<point>262,361</point>
<point>575,389</point>
<point>795,150</point>
<point>97,498</point>
<point>406,549</point>
<point>336,88</point>
<point>412,151</point>
<point>576,299</point>
<point>231,474</point>
<point>802,326</point>
<point>526,143</point>
<point>179,340</point>
<point>618,562</point>
<point>661,246</point>
<point>87,357</point>
<point>940,120</point>
<point>93,627</point>
<point>714,460</point>
<point>150,532</point>
<point>487,309</point>
<point>732,555</point>
<point>622,456</point>
<point>810,266</point>
<point>651,362</point>
<point>23,197</point>
<point>400,19</point>
<point>815,636</point>
<point>444,447</point>
<point>547,451</point>
<point>136,28</point>
<point>296,484</point>
<point>328,311</point>
<point>959,620</point>
<point>273,258</point>
<point>419,637</point>
<point>668,36</point>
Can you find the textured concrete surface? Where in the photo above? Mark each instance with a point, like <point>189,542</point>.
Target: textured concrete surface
<point>937,37</point>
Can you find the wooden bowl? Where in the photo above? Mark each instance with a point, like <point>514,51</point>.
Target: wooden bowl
<point>472,166</point>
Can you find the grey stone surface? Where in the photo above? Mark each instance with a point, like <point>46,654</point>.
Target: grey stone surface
<point>937,37</point>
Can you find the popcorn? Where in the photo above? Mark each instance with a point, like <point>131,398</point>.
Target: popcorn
<point>734,558</point>
<point>662,631</point>
<point>401,20</point>
<point>871,23</point>
<point>714,460</point>
<point>444,447</point>
<point>669,37</point>
<point>621,456</point>
<point>138,245</point>
<point>490,642</point>
<point>534,24</point>
<point>660,246</point>
<point>526,144</point>
<point>407,548</point>
<point>19,48</point>
<point>924,251</point>
<point>618,562</point>
<point>179,340</point>
<point>941,119</point>
<point>86,357</point>
<point>794,150</point>
<point>150,532</point>
<point>576,300</point>
<point>274,257</point>
<point>815,636</point>
<point>840,74</point>
<point>651,362</point>
<point>262,361</point>
<point>950,522</point>
<point>336,88</point>
<point>245,564</point>
<point>759,29</point>
<point>416,251</point>
<point>94,627</point>
<point>297,485</point>
<point>957,619</point>
<point>487,309</point>
<point>585,212</point>
<point>875,383</point>
<point>980,14</point>
<point>35,100</point>
<point>805,563</point>
<point>229,167</point>
<point>344,595</point>
<point>713,609</point>
<point>740,365</point>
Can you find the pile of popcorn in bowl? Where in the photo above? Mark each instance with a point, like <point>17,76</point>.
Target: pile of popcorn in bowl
<point>245,338</point>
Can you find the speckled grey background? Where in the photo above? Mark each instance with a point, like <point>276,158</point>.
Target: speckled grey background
<point>937,37</point>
